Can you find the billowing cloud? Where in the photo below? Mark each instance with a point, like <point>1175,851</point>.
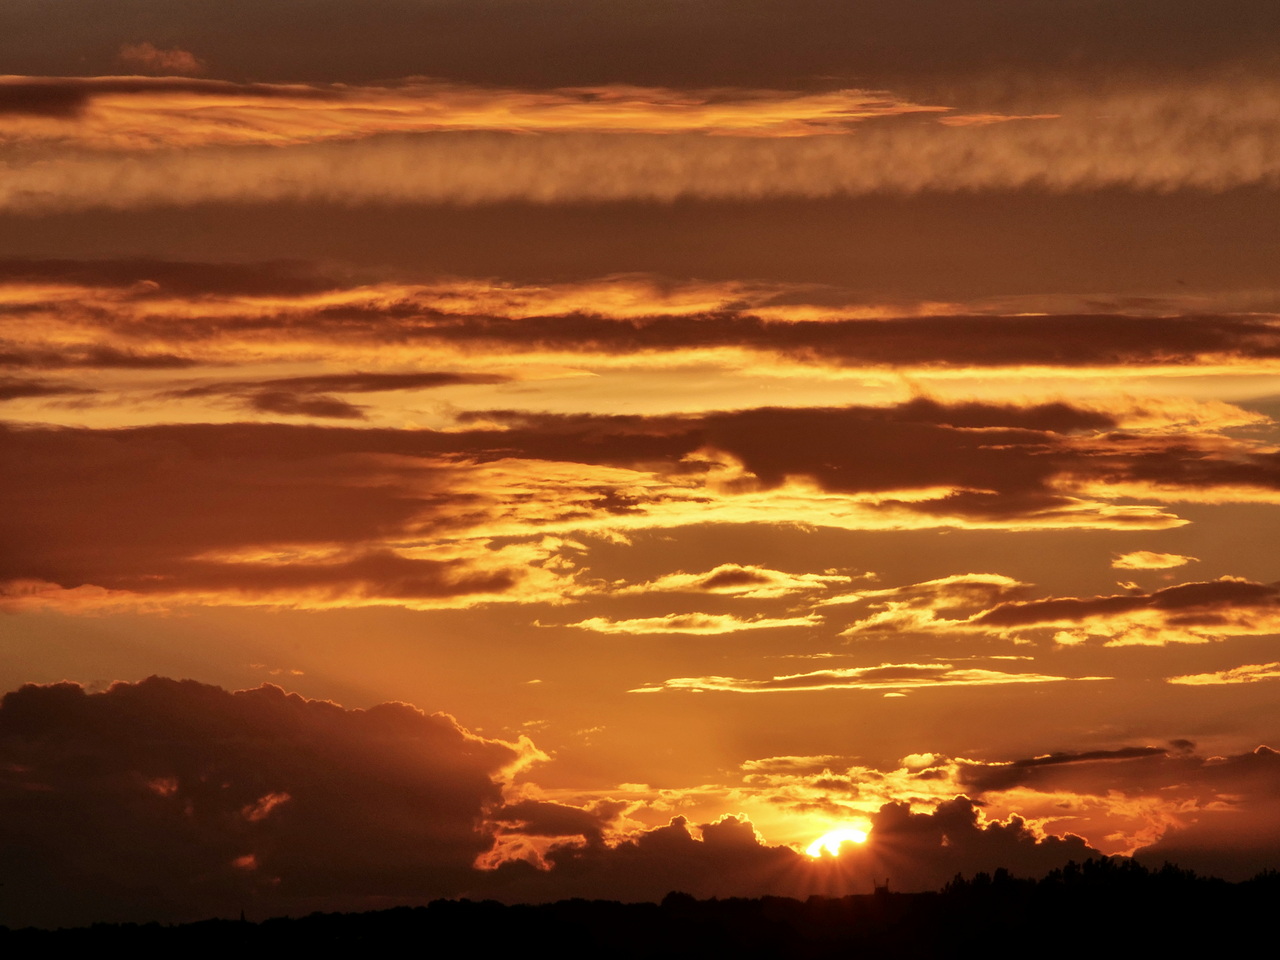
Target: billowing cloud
<point>1122,799</point>
<point>886,676</point>
<point>727,857</point>
<point>176,800</point>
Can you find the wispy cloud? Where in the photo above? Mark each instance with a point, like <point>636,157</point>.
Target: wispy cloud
<point>886,676</point>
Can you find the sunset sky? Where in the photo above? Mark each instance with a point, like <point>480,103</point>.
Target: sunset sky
<point>610,444</point>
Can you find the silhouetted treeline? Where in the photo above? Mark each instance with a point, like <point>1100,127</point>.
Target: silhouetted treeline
<point>1107,907</point>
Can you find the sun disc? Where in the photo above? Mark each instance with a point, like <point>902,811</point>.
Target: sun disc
<point>831,841</point>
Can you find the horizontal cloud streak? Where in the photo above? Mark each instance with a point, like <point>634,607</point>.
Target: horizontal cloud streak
<point>150,313</point>
<point>1248,673</point>
<point>140,113</point>
<point>1185,613</point>
<point>1208,137</point>
<point>275,513</point>
<point>692,623</point>
<point>887,676</point>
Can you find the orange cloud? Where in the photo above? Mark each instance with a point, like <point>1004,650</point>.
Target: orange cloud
<point>1248,673</point>
<point>332,516</point>
<point>886,676</point>
<point>1148,560</point>
<point>732,579</point>
<point>150,315</point>
<point>147,58</point>
<point>693,623</point>
<point>135,113</point>
<point>455,148</point>
<point>1185,613</point>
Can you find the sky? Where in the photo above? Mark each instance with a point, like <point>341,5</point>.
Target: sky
<point>524,449</point>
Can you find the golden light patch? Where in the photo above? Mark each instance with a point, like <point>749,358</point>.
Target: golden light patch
<point>831,841</point>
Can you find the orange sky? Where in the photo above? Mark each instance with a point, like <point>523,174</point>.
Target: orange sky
<point>608,447</point>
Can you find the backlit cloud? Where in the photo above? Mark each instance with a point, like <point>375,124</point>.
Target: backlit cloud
<point>1185,613</point>
<point>1148,560</point>
<point>327,516</point>
<point>738,580</point>
<point>694,623</point>
<point>192,800</point>
<point>148,58</point>
<point>886,676</point>
<point>1173,137</point>
<point>1248,673</point>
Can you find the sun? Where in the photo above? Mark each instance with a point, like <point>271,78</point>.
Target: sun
<point>830,842</point>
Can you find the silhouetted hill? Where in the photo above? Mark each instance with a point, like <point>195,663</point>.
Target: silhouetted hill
<point>1107,907</point>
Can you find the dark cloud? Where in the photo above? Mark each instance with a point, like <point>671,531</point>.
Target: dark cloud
<point>544,818</point>
<point>1231,838</point>
<point>996,341</point>
<point>14,388</point>
<point>150,278</point>
<point>1017,773</point>
<point>89,355</point>
<point>1188,604</point>
<point>163,498</point>
<point>157,512</point>
<point>916,851</point>
<point>150,505</point>
<point>731,576</point>
<point>1212,814</point>
<point>67,97</point>
<point>176,800</point>
<point>305,396</point>
<point>1240,780</point>
<point>303,405</point>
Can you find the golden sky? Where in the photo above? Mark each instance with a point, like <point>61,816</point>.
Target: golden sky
<point>556,448</point>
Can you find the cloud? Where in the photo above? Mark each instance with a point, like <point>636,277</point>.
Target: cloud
<point>1190,135</point>
<point>1197,612</point>
<point>1147,560</point>
<point>310,515</point>
<point>67,98</point>
<point>727,858</point>
<point>147,58</point>
<point>13,388</point>
<point>1186,613</point>
<point>693,623</point>
<point>168,800</point>
<point>1247,673</point>
<point>283,521</point>
<point>305,395</point>
<point>227,313</point>
<point>1211,813</point>
<point>886,676</point>
<point>1121,798</point>
<point>134,113</point>
<point>307,515</point>
<point>739,580</point>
